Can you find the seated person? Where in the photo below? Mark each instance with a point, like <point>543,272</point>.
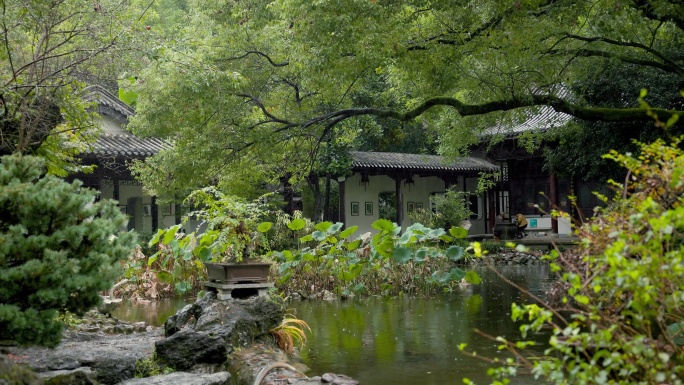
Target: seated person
<point>497,229</point>
<point>521,221</point>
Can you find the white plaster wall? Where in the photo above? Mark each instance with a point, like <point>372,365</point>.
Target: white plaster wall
<point>418,192</point>
<point>479,225</point>
<point>354,192</point>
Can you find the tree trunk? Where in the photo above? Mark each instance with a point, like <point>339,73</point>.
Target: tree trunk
<point>326,204</point>
<point>315,187</point>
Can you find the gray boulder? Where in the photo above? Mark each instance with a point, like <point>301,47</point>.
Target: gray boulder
<point>110,358</point>
<point>182,378</point>
<point>206,332</point>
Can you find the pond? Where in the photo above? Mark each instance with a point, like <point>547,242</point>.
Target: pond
<point>406,340</point>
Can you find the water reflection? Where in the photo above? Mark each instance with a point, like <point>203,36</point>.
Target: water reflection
<point>402,340</point>
<point>154,313</point>
<point>415,341</point>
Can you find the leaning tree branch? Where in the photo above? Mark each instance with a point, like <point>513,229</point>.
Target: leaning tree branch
<point>464,109</point>
<point>648,10</point>
<point>259,53</point>
<point>674,68</point>
<point>442,38</point>
<point>619,43</point>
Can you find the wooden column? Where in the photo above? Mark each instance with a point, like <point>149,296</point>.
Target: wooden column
<point>155,214</point>
<point>400,205</point>
<point>343,203</point>
<point>492,210</point>
<point>553,197</point>
<point>115,196</point>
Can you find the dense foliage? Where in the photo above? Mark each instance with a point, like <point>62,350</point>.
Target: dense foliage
<point>419,261</point>
<point>49,51</point>
<point>264,86</point>
<point>619,318</point>
<point>229,229</point>
<point>59,248</point>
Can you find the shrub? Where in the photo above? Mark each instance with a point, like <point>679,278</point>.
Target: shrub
<point>58,249</point>
<point>450,210</point>
<point>619,319</point>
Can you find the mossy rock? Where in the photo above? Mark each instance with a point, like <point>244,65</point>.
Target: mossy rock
<point>13,374</point>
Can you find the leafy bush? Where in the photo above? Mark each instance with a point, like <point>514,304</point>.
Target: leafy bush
<point>450,210</point>
<point>58,249</point>
<point>619,320</point>
<point>234,227</point>
<point>415,262</point>
<point>230,230</point>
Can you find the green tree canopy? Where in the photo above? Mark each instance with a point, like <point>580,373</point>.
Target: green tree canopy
<point>266,82</point>
<point>48,49</point>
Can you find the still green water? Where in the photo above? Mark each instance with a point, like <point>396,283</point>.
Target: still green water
<point>398,341</point>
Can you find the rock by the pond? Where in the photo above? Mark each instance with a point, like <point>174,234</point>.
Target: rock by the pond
<point>182,378</point>
<point>11,374</point>
<point>111,358</point>
<point>80,376</point>
<point>206,332</point>
<point>276,367</point>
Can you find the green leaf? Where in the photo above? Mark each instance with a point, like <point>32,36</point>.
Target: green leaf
<point>323,226</point>
<point>405,238</point>
<point>436,233</point>
<point>402,254</point>
<point>318,236</point>
<point>417,228</point>
<point>335,228</point>
<point>164,276</point>
<point>170,234</point>
<point>420,255</point>
<point>676,332</point>
<point>155,238</point>
<point>152,259</point>
<point>472,277</point>
<point>306,238</point>
<point>296,224</point>
<point>264,227</point>
<point>349,231</point>
<point>446,238</point>
<point>182,287</point>
<point>353,245</point>
<point>455,253</point>
<point>458,232</point>
<point>441,277</point>
<point>457,274</point>
<point>359,288</point>
<point>352,273</point>
<point>383,225</point>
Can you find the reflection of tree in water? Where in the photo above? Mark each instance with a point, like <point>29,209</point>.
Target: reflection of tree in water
<point>398,340</point>
<point>387,205</point>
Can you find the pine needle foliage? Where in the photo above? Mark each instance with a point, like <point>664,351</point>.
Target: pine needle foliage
<point>58,249</point>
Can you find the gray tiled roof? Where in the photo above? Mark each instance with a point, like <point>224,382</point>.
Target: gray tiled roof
<point>127,145</point>
<point>114,140</point>
<point>103,97</point>
<point>545,119</point>
<point>418,162</point>
<point>541,119</point>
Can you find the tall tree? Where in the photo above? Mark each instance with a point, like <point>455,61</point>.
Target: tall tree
<point>48,48</point>
<point>265,82</point>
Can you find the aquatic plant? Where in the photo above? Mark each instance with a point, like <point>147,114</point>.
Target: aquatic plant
<point>419,261</point>
<point>290,332</point>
